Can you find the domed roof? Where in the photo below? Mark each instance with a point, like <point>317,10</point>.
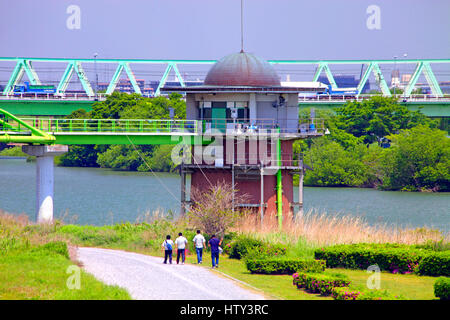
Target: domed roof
<point>242,69</point>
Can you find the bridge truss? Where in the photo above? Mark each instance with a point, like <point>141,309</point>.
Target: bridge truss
<point>74,67</point>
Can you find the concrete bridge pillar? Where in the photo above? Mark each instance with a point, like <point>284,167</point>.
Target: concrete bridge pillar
<point>44,178</point>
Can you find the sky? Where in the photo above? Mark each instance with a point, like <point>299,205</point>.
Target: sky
<point>210,29</point>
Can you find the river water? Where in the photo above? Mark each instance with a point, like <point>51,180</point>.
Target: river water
<point>101,196</point>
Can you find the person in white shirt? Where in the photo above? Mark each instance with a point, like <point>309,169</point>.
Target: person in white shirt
<point>200,242</point>
<point>167,246</point>
<point>181,247</point>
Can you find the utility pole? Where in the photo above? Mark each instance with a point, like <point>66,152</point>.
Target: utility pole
<point>96,75</point>
<point>395,69</point>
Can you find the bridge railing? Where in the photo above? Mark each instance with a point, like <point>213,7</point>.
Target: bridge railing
<point>349,97</point>
<point>117,126</point>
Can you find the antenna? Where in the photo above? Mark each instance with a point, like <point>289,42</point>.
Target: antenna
<point>242,26</point>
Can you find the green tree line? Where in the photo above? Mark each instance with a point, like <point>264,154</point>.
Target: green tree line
<point>126,157</point>
<point>372,143</point>
<point>378,143</point>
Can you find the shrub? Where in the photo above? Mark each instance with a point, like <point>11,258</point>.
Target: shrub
<point>392,257</point>
<point>435,264</point>
<point>284,266</point>
<point>346,293</point>
<point>245,246</point>
<point>320,282</point>
<point>442,288</point>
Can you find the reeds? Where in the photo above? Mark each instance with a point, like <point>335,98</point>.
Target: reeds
<point>321,228</point>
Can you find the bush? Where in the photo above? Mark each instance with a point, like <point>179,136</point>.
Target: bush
<point>391,257</point>
<point>442,288</point>
<point>435,264</point>
<point>346,293</point>
<point>284,266</point>
<point>320,282</point>
<point>244,246</point>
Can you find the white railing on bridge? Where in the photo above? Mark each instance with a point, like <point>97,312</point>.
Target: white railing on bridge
<point>302,98</point>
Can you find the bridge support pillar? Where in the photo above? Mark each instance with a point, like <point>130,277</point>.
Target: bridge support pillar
<point>44,178</point>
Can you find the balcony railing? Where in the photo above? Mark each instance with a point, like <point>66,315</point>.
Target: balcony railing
<point>303,126</point>
<point>144,126</point>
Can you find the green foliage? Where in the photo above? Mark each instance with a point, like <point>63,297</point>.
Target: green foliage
<point>243,246</point>
<point>78,114</point>
<point>283,265</point>
<point>335,166</point>
<point>126,106</point>
<point>13,152</point>
<point>390,257</point>
<point>120,157</point>
<point>442,288</point>
<point>81,156</point>
<point>376,118</point>
<point>160,160</point>
<point>58,247</point>
<point>419,158</point>
<point>156,108</point>
<point>320,282</point>
<point>435,264</point>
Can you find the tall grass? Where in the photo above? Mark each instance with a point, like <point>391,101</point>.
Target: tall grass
<point>320,228</point>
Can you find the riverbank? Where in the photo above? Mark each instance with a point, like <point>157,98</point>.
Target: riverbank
<point>146,237</point>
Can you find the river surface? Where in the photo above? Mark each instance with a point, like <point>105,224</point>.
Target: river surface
<point>101,196</point>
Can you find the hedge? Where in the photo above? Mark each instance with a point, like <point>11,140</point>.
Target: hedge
<point>284,266</point>
<point>395,258</point>
<point>320,282</point>
<point>347,293</point>
<point>244,246</point>
<point>442,288</point>
<point>435,264</point>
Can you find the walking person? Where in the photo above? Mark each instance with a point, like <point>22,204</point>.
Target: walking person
<point>200,242</point>
<point>214,244</point>
<point>167,245</point>
<point>181,247</point>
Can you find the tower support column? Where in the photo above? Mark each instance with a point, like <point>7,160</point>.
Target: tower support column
<point>44,178</point>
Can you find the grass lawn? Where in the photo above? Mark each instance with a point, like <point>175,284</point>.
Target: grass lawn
<point>29,274</point>
<point>411,287</point>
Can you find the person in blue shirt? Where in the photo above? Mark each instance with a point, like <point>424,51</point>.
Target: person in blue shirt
<point>214,244</point>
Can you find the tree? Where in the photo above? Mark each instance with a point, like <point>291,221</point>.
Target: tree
<point>376,118</point>
<point>120,157</point>
<point>212,209</point>
<point>160,160</point>
<point>336,166</point>
<point>419,158</point>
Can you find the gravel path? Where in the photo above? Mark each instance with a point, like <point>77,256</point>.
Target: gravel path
<point>147,278</point>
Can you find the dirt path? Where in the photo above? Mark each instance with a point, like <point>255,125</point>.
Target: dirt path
<point>147,278</point>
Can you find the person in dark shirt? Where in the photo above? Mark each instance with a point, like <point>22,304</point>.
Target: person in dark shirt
<point>214,244</point>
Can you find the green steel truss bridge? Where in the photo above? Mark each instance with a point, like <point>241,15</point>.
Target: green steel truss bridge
<point>62,102</point>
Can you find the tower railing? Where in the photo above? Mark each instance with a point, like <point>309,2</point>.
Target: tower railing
<point>245,126</point>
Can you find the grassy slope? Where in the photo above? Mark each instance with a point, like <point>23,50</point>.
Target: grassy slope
<point>41,274</point>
